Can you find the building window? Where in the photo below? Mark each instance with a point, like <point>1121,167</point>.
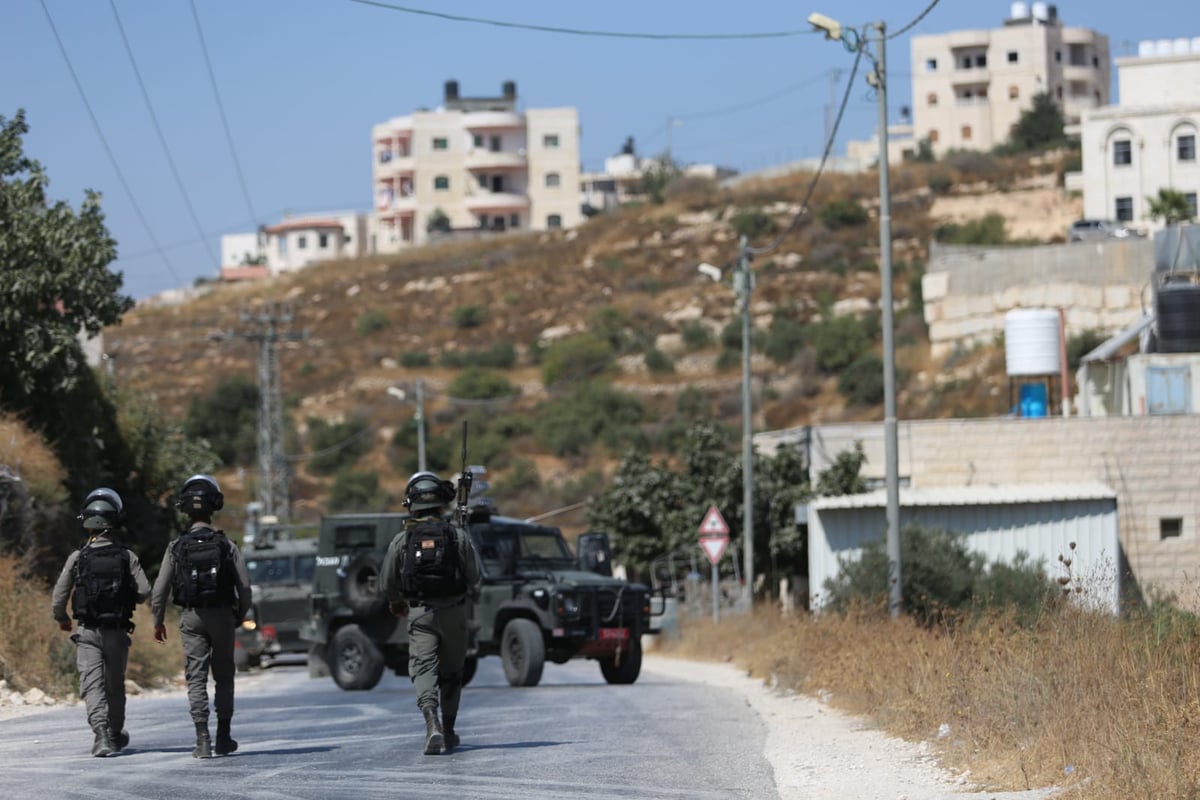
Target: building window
<point>514,221</point>
<point>1058,92</point>
<point>966,62</point>
<point>1096,62</point>
<point>550,140</point>
<point>931,65</point>
<point>1191,198</point>
<point>483,181</point>
<point>478,140</point>
<point>1185,147</point>
<point>1170,527</point>
<point>1122,153</point>
<point>441,143</point>
<point>554,221</point>
<point>933,136</point>
<point>931,99</point>
<point>301,242</point>
<point>1124,209</point>
<point>1013,92</point>
<point>553,181</point>
<point>981,60</point>
<point>323,240</point>
<point>441,183</point>
<point>966,133</point>
<point>1058,56</point>
<point>495,148</point>
<point>1012,56</point>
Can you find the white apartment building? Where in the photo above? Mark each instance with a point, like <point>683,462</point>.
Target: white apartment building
<point>292,244</point>
<point>480,162</point>
<point>1148,140</point>
<point>970,87</point>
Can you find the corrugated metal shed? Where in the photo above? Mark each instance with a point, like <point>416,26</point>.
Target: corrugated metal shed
<point>1042,520</point>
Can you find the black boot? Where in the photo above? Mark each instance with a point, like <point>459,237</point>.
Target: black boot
<point>451,693</point>
<point>120,738</point>
<point>203,743</point>
<point>225,743</point>
<point>434,742</point>
<point>103,745</point>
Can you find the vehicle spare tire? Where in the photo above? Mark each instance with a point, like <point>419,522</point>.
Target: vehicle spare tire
<point>357,664</point>
<point>362,590</point>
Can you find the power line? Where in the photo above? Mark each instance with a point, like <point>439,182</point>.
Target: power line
<point>581,31</point>
<point>720,112</point>
<point>914,23</point>
<point>162,139</point>
<point>107,149</point>
<point>212,79</point>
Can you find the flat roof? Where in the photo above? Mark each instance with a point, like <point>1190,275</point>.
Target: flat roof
<point>1007,494</point>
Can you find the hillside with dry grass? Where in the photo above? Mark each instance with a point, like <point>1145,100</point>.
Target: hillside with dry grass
<point>363,320</point>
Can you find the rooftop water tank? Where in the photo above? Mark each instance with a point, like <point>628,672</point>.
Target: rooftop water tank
<point>1196,44</point>
<point>1146,48</point>
<point>1020,10</point>
<point>1182,46</point>
<point>1041,10</point>
<point>1031,341</point>
<point>1162,47</point>
<point>1177,308</point>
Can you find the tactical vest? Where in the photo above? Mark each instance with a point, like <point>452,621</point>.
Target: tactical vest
<point>204,574</point>
<point>104,592</point>
<point>430,566</point>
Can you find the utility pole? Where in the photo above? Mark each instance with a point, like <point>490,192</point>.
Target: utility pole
<point>272,467</point>
<point>420,418</point>
<point>743,285</point>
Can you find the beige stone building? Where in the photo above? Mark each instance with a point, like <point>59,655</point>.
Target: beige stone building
<point>476,164</point>
<point>970,87</point>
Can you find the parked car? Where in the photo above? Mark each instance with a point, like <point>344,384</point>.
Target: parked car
<point>1086,230</point>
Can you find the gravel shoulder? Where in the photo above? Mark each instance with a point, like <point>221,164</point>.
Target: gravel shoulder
<point>819,752</point>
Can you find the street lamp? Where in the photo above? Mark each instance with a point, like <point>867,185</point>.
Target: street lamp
<point>743,285</point>
<point>419,416</point>
<point>878,80</point>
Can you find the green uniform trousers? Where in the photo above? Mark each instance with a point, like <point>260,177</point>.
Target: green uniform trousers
<point>437,646</point>
<point>101,655</point>
<point>207,635</point>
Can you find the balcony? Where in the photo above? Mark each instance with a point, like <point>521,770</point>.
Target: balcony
<point>393,163</point>
<point>496,201</point>
<point>493,120</point>
<point>482,158</point>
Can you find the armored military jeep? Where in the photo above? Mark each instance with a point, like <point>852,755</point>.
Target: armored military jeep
<point>281,573</point>
<point>537,603</point>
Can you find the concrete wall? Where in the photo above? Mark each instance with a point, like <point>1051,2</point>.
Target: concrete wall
<point>968,290</point>
<point>1152,464</point>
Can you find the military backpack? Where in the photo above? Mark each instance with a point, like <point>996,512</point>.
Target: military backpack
<point>104,592</point>
<point>430,566</point>
<point>204,574</point>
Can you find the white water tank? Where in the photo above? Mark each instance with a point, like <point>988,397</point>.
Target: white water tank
<point>1182,46</point>
<point>1031,341</point>
<point>1020,10</point>
<point>1162,47</point>
<point>1041,11</point>
<point>1146,47</point>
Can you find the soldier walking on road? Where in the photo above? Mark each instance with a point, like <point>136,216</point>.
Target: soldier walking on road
<point>204,573</point>
<point>429,569</point>
<point>104,581</point>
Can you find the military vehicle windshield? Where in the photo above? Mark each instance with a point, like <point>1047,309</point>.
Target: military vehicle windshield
<point>281,569</point>
<point>506,549</point>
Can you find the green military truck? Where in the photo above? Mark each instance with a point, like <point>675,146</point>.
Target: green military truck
<point>538,603</point>
<point>281,574</point>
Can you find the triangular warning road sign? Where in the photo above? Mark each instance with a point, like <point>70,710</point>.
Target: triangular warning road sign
<point>715,547</point>
<point>713,523</point>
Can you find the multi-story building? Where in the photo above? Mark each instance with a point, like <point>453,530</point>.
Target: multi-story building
<point>970,87</point>
<point>293,243</point>
<point>1148,140</point>
<point>476,163</point>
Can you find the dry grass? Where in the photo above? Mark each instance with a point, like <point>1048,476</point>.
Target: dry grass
<point>1109,708</point>
<point>35,653</point>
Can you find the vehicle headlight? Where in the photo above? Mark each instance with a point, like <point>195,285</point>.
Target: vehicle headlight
<point>568,606</point>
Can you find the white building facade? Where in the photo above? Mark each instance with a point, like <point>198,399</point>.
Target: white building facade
<point>970,87</point>
<point>1148,141</point>
<point>474,164</point>
<point>293,243</point>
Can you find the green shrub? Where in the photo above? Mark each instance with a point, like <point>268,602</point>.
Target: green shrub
<point>336,446</point>
<point>307,368</point>
<point>591,414</point>
<point>940,182</point>
<point>415,359</point>
<point>584,355</point>
<point>370,321</point>
<point>658,362</point>
<point>356,491</point>
<point>862,381</point>
<point>227,417</point>
<point>729,359</point>
<point>838,342</point>
<point>501,355</point>
<point>696,335</point>
<point>480,384</point>
<point>785,338</point>
<point>843,214</point>
<point>470,316</point>
<point>1080,344</point>
<point>753,225</point>
<point>988,230</point>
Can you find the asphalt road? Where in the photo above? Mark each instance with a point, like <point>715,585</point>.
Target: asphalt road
<point>571,737</point>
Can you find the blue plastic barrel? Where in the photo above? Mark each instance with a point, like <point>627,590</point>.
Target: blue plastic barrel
<point>1033,400</point>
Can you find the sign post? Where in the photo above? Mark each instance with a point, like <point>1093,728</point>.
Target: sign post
<point>714,538</point>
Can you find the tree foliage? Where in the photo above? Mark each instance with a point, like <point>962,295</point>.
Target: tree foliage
<point>1040,127</point>
<point>1171,206</point>
<point>227,417</point>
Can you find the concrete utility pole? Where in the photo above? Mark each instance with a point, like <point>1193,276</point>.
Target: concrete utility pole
<point>418,417</point>
<point>273,470</point>
<point>743,284</point>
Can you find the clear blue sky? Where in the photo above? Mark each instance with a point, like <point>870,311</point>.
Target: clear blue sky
<point>302,82</point>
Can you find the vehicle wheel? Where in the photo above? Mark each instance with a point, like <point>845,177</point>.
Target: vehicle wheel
<point>357,663</point>
<point>469,667</point>
<point>627,669</point>
<point>241,659</point>
<point>523,652</point>
<point>318,667</point>
<point>362,586</point>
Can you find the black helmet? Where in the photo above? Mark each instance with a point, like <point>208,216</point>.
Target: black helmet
<point>200,495</point>
<point>426,490</point>
<point>102,509</point>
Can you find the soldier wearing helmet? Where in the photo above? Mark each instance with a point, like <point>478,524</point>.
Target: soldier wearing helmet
<point>430,568</point>
<point>104,581</point>
<point>203,572</point>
